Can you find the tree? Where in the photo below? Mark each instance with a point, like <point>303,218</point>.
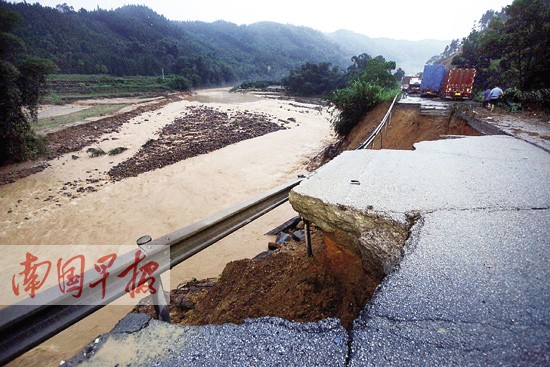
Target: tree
<point>352,103</point>
<point>313,79</point>
<point>399,74</point>
<point>511,48</point>
<point>363,92</point>
<point>359,63</point>
<point>21,81</point>
<point>527,34</point>
<point>378,72</point>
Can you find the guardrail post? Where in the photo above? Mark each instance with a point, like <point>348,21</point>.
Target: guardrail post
<point>381,141</point>
<point>160,303</point>
<point>308,238</point>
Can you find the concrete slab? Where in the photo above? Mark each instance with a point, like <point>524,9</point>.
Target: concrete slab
<point>140,341</point>
<point>473,291</point>
<point>473,172</point>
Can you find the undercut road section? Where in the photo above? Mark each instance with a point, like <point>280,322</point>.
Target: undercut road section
<point>469,285</point>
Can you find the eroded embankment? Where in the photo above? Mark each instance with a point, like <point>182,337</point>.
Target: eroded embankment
<point>407,126</point>
<point>353,250</point>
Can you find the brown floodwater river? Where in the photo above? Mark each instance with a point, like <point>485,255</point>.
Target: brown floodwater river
<point>45,209</point>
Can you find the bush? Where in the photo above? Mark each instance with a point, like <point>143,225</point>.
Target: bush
<point>259,84</point>
<point>180,83</point>
<point>352,103</point>
<point>117,150</point>
<point>539,98</point>
<point>95,152</point>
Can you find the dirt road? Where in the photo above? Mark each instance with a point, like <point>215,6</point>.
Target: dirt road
<point>47,208</point>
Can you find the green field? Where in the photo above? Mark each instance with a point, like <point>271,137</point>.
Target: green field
<point>63,88</point>
<point>71,118</point>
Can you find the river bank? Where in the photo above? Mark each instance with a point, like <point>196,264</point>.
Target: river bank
<point>46,208</point>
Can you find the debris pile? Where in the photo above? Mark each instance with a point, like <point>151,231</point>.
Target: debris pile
<point>200,131</point>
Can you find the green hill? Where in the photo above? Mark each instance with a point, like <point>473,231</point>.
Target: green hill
<point>134,40</point>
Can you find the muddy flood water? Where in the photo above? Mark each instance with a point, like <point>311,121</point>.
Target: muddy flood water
<point>50,208</point>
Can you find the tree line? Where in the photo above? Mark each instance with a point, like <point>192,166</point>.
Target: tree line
<point>353,92</point>
<point>134,40</point>
<point>22,78</point>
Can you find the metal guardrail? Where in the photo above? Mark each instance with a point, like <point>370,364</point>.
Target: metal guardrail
<point>384,123</point>
<point>25,326</point>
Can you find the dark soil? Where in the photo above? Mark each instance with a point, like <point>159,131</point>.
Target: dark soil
<point>201,131</point>
<point>283,283</point>
<point>7,176</point>
<point>74,138</point>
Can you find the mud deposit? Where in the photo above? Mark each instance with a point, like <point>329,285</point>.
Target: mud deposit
<point>77,137</point>
<point>283,283</point>
<point>202,130</point>
<point>80,136</point>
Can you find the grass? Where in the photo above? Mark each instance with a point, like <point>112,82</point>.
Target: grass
<point>68,87</point>
<point>388,94</point>
<point>71,118</point>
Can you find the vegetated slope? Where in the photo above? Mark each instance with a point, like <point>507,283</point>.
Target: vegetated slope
<point>411,56</point>
<point>134,40</point>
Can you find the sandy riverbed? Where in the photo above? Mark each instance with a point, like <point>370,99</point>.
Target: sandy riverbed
<point>37,209</point>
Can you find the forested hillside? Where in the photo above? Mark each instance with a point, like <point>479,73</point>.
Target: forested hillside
<point>134,40</point>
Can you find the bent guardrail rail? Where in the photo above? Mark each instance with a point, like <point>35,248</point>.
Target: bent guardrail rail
<point>385,121</point>
<point>25,326</point>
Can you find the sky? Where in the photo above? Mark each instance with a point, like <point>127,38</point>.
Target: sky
<point>398,19</point>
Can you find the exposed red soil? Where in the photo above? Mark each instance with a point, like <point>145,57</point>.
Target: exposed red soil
<point>406,128</point>
<point>286,284</point>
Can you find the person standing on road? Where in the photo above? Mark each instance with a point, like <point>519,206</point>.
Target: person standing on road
<point>486,95</point>
<point>494,96</point>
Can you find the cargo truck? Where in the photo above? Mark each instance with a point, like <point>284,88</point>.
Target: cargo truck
<point>459,83</point>
<point>433,79</point>
<point>414,85</point>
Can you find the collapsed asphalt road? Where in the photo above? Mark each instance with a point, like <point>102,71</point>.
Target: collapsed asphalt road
<point>471,289</point>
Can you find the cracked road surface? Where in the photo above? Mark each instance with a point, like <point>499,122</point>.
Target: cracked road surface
<point>471,289</point>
